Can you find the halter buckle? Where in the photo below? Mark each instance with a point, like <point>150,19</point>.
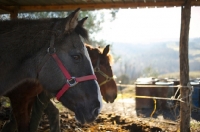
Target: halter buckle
<point>72,82</point>
<point>51,50</point>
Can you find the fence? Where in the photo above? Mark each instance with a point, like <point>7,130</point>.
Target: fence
<point>151,101</point>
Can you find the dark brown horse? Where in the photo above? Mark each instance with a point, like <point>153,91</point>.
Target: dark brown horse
<point>22,99</point>
<point>101,61</point>
<point>51,51</point>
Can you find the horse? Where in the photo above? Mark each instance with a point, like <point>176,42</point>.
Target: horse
<point>101,60</point>
<point>52,52</point>
<point>22,99</point>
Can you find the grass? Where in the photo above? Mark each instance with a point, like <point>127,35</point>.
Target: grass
<point>194,126</point>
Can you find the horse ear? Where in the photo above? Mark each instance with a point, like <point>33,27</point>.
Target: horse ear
<point>106,50</point>
<point>81,22</point>
<point>72,21</point>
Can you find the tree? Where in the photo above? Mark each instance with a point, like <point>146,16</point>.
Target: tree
<point>123,78</point>
<point>93,23</point>
<point>149,72</point>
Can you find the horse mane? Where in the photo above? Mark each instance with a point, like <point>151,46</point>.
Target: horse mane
<point>22,38</point>
<point>100,51</point>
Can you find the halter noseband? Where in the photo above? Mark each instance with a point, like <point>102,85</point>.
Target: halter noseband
<point>70,81</point>
<point>97,69</point>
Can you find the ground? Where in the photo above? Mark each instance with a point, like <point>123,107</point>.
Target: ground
<point>122,116</point>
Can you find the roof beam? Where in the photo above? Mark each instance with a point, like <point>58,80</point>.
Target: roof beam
<point>7,8</point>
<point>94,6</point>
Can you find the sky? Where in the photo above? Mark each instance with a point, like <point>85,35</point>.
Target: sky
<point>148,25</point>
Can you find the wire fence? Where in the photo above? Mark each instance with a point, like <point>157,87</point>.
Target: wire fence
<point>127,100</point>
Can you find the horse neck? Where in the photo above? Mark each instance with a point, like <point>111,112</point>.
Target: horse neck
<point>19,60</point>
<point>11,77</point>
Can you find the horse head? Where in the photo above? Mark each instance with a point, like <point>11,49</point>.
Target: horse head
<point>101,61</point>
<point>67,71</point>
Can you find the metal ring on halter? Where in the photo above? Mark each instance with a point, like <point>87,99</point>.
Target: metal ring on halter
<point>72,82</point>
<point>96,69</point>
<point>109,78</point>
<point>51,51</point>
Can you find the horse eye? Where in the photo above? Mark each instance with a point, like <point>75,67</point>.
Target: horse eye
<point>76,57</point>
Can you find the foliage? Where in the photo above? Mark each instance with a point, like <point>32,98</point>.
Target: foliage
<point>5,102</point>
<point>149,72</point>
<point>123,78</point>
<point>93,23</point>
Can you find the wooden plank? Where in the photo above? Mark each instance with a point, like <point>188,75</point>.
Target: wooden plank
<point>92,6</point>
<point>185,112</point>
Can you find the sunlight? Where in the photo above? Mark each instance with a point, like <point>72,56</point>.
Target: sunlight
<point>148,25</point>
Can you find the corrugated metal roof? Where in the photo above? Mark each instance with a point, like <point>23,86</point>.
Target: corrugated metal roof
<point>7,6</point>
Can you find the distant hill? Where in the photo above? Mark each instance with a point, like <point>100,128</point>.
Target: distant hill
<point>193,75</point>
<point>161,56</point>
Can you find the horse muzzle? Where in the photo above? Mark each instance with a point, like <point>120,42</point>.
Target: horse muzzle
<point>84,116</point>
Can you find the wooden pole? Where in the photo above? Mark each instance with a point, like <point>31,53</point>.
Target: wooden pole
<point>185,112</point>
<point>14,14</point>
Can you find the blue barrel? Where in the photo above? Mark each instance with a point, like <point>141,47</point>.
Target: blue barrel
<point>195,94</point>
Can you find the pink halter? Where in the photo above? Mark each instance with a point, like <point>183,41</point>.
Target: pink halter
<point>71,81</point>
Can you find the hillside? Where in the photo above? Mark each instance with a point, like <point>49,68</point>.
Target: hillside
<point>161,56</point>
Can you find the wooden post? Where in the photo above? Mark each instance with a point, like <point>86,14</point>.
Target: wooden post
<point>13,11</point>
<point>14,14</point>
<point>185,107</point>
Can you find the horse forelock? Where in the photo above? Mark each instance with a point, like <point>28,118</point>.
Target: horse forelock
<point>82,32</point>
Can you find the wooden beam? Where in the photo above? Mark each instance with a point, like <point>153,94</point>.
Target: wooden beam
<point>6,8</point>
<point>185,112</point>
<point>102,6</point>
<point>13,11</point>
<point>93,6</point>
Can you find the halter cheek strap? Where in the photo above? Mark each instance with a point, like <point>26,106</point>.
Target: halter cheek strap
<point>70,81</point>
<point>97,69</point>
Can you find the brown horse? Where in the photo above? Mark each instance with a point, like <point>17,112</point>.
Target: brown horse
<point>101,62</point>
<point>22,99</point>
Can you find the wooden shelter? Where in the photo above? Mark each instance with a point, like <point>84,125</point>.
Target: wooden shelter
<point>17,6</point>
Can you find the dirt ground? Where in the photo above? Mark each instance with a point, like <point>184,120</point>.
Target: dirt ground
<point>121,116</point>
